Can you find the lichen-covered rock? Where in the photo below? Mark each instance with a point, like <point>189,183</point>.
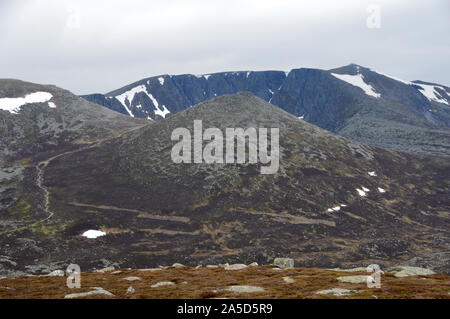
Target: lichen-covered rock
<point>163,283</point>
<point>56,273</point>
<point>106,269</point>
<point>353,279</point>
<point>284,262</point>
<point>357,269</point>
<point>288,280</point>
<point>439,262</point>
<point>132,278</point>
<point>98,291</point>
<point>405,271</point>
<point>235,267</point>
<point>339,292</point>
<point>245,289</point>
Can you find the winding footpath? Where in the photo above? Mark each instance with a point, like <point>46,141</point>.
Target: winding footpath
<point>40,177</point>
<point>40,167</point>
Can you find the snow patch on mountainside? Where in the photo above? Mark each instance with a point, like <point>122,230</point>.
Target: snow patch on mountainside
<point>129,96</point>
<point>361,192</point>
<point>13,105</point>
<point>358,81</point>
<point>271,95</point>
<point>155,102</point>
<point>429,91</point>
<point>199,76</point>
<point>162,112</point>
<point>336,208</point>
<point>158,111</point>
<point>93,233</point>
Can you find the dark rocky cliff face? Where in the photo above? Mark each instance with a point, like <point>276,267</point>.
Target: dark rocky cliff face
<point>178,92</point>
<point>401,117</point>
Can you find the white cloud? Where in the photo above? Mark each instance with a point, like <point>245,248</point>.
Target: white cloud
<point>118,42</point>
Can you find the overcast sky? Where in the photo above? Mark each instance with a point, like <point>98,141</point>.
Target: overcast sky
<point>97,46</point>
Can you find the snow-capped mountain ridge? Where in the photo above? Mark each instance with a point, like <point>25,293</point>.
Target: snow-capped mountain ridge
<point>430,91</point>
<point>153,107</point>
<point>358,81</point>
<point>127,98</point>
<point>354,101</point>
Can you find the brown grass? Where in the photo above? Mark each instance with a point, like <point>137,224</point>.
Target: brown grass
<point>209,283</point>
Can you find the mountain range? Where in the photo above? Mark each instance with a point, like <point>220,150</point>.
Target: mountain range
<point>352,101</point>
<point>69,166</point>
